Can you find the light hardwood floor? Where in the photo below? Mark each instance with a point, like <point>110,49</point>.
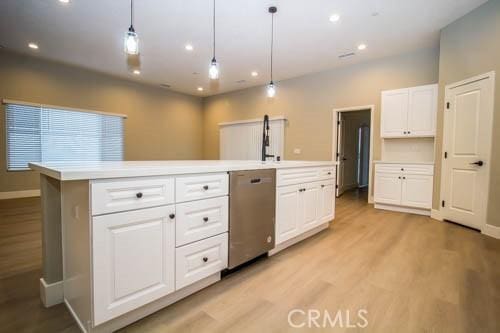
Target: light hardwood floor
<point>411,273</point>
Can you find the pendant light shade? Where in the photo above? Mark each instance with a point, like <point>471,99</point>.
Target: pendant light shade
<point>131,44</point>
<point>213,70</point>
<point>271,88</point>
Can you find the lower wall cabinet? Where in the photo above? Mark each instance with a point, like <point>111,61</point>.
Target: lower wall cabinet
<point>133,260</point>
<point>302,207</point>
<point>403,185</point>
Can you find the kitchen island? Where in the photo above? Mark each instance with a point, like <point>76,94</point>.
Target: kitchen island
<point>122,240</point>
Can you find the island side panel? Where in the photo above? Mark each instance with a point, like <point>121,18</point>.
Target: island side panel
<point>76,245</point>
<point>52,272</point>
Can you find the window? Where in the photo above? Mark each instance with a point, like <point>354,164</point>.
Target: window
<point>49,134</point>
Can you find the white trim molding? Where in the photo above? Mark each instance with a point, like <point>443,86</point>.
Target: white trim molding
<point>491,230</point>
<point>335,111</point>
<point>436,214</point>
<point>247,121</point>
<point>19,194</point>
<point>51,293</point>
<point>402,209</point>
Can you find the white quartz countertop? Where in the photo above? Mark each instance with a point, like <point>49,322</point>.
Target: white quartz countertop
<point>402,162</point>
<point>120,169</point>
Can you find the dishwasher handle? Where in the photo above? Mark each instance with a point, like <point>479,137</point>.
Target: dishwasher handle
<point>255,181</point>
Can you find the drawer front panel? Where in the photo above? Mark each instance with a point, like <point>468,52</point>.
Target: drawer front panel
<point>124,194</point>
<point>200,259</point>
<point>416,169</point>
<point>196,187</point>
<point>327,173</point>
<point>201,219</point>
<point>294,176</point>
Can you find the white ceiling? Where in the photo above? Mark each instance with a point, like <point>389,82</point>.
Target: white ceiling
<point>89,33</point>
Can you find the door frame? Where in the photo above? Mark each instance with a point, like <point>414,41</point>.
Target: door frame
<point>490,76</point>
<point>336,112</point>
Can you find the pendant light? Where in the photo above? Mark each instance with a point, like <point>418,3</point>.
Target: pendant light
<point>271,88</point>
<point>131,39</point>
<point>213,71</point>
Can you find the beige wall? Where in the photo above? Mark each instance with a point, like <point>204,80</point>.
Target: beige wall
<point>307,102</point>
<point>471,46</point>
<point>161,124</point>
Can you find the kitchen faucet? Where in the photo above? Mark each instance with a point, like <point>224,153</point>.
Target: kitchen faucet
<point>265,138</point>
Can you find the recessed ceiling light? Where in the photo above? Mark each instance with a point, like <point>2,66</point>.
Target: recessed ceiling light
<point>189,47</point>
<point>254,74</point>
<point>334,17</point>
<point>200,88</point>
<point>33,46</point>
<point>64,1</point>
<point>361,46</point>
<point>136,72</point>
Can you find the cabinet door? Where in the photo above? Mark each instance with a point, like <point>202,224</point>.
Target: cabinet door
<point>309,198</point>
<point>327,202</point>
<point>133,260</point>
<point>422,111</point>
<point>417,191</point>
<point>394,117</point>
<point>387,188</point>
<point>287,213</point>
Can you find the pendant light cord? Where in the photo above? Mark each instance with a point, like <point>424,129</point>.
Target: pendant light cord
<point>214,28</point>
<point>132,13</point>
<point>272,43</point>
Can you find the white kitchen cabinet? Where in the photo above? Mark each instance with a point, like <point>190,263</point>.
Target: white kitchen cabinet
<point>394,119</point>
<point>416,191</point>
<point>327,202</point>
<point>303,207</point>
<point>201,219</point>
<point>388,188</point>
<point>409,112</point>
<point>404,187</point>
<point>422,111</point>
<point>201,259</point>
<point>309,206</point>
<point>133,260</point>
<point>287,213</point>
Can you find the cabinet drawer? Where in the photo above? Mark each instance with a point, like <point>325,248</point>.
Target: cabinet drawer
<point>201,219</point>
<point>201,186</point>
<point>327,173</point>
<point>294,176</point>
<point>131,193</point>
<point>415,169</point>
<point>200,259</point>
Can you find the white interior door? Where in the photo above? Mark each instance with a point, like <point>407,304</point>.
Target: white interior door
<point>468,118</point>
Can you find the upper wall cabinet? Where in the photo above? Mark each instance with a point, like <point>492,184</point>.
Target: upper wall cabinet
<point>409,112</point>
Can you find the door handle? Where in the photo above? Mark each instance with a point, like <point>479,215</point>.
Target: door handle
<point>478,163</point>
<point>344,159</point>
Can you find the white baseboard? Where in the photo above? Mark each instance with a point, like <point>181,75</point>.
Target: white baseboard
<point>290,242</point>
<point>19,194</point>
<point>51,293</point>
<point>419,211</point>
<point>436,214</point>
<point>491,230</point>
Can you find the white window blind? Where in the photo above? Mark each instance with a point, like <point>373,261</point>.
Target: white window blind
<point>48,134</point>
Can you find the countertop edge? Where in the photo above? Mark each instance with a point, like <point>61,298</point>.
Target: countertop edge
<point>144,171</point>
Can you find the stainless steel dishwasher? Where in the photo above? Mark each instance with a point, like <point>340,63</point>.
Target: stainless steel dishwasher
<point>252,206</point>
